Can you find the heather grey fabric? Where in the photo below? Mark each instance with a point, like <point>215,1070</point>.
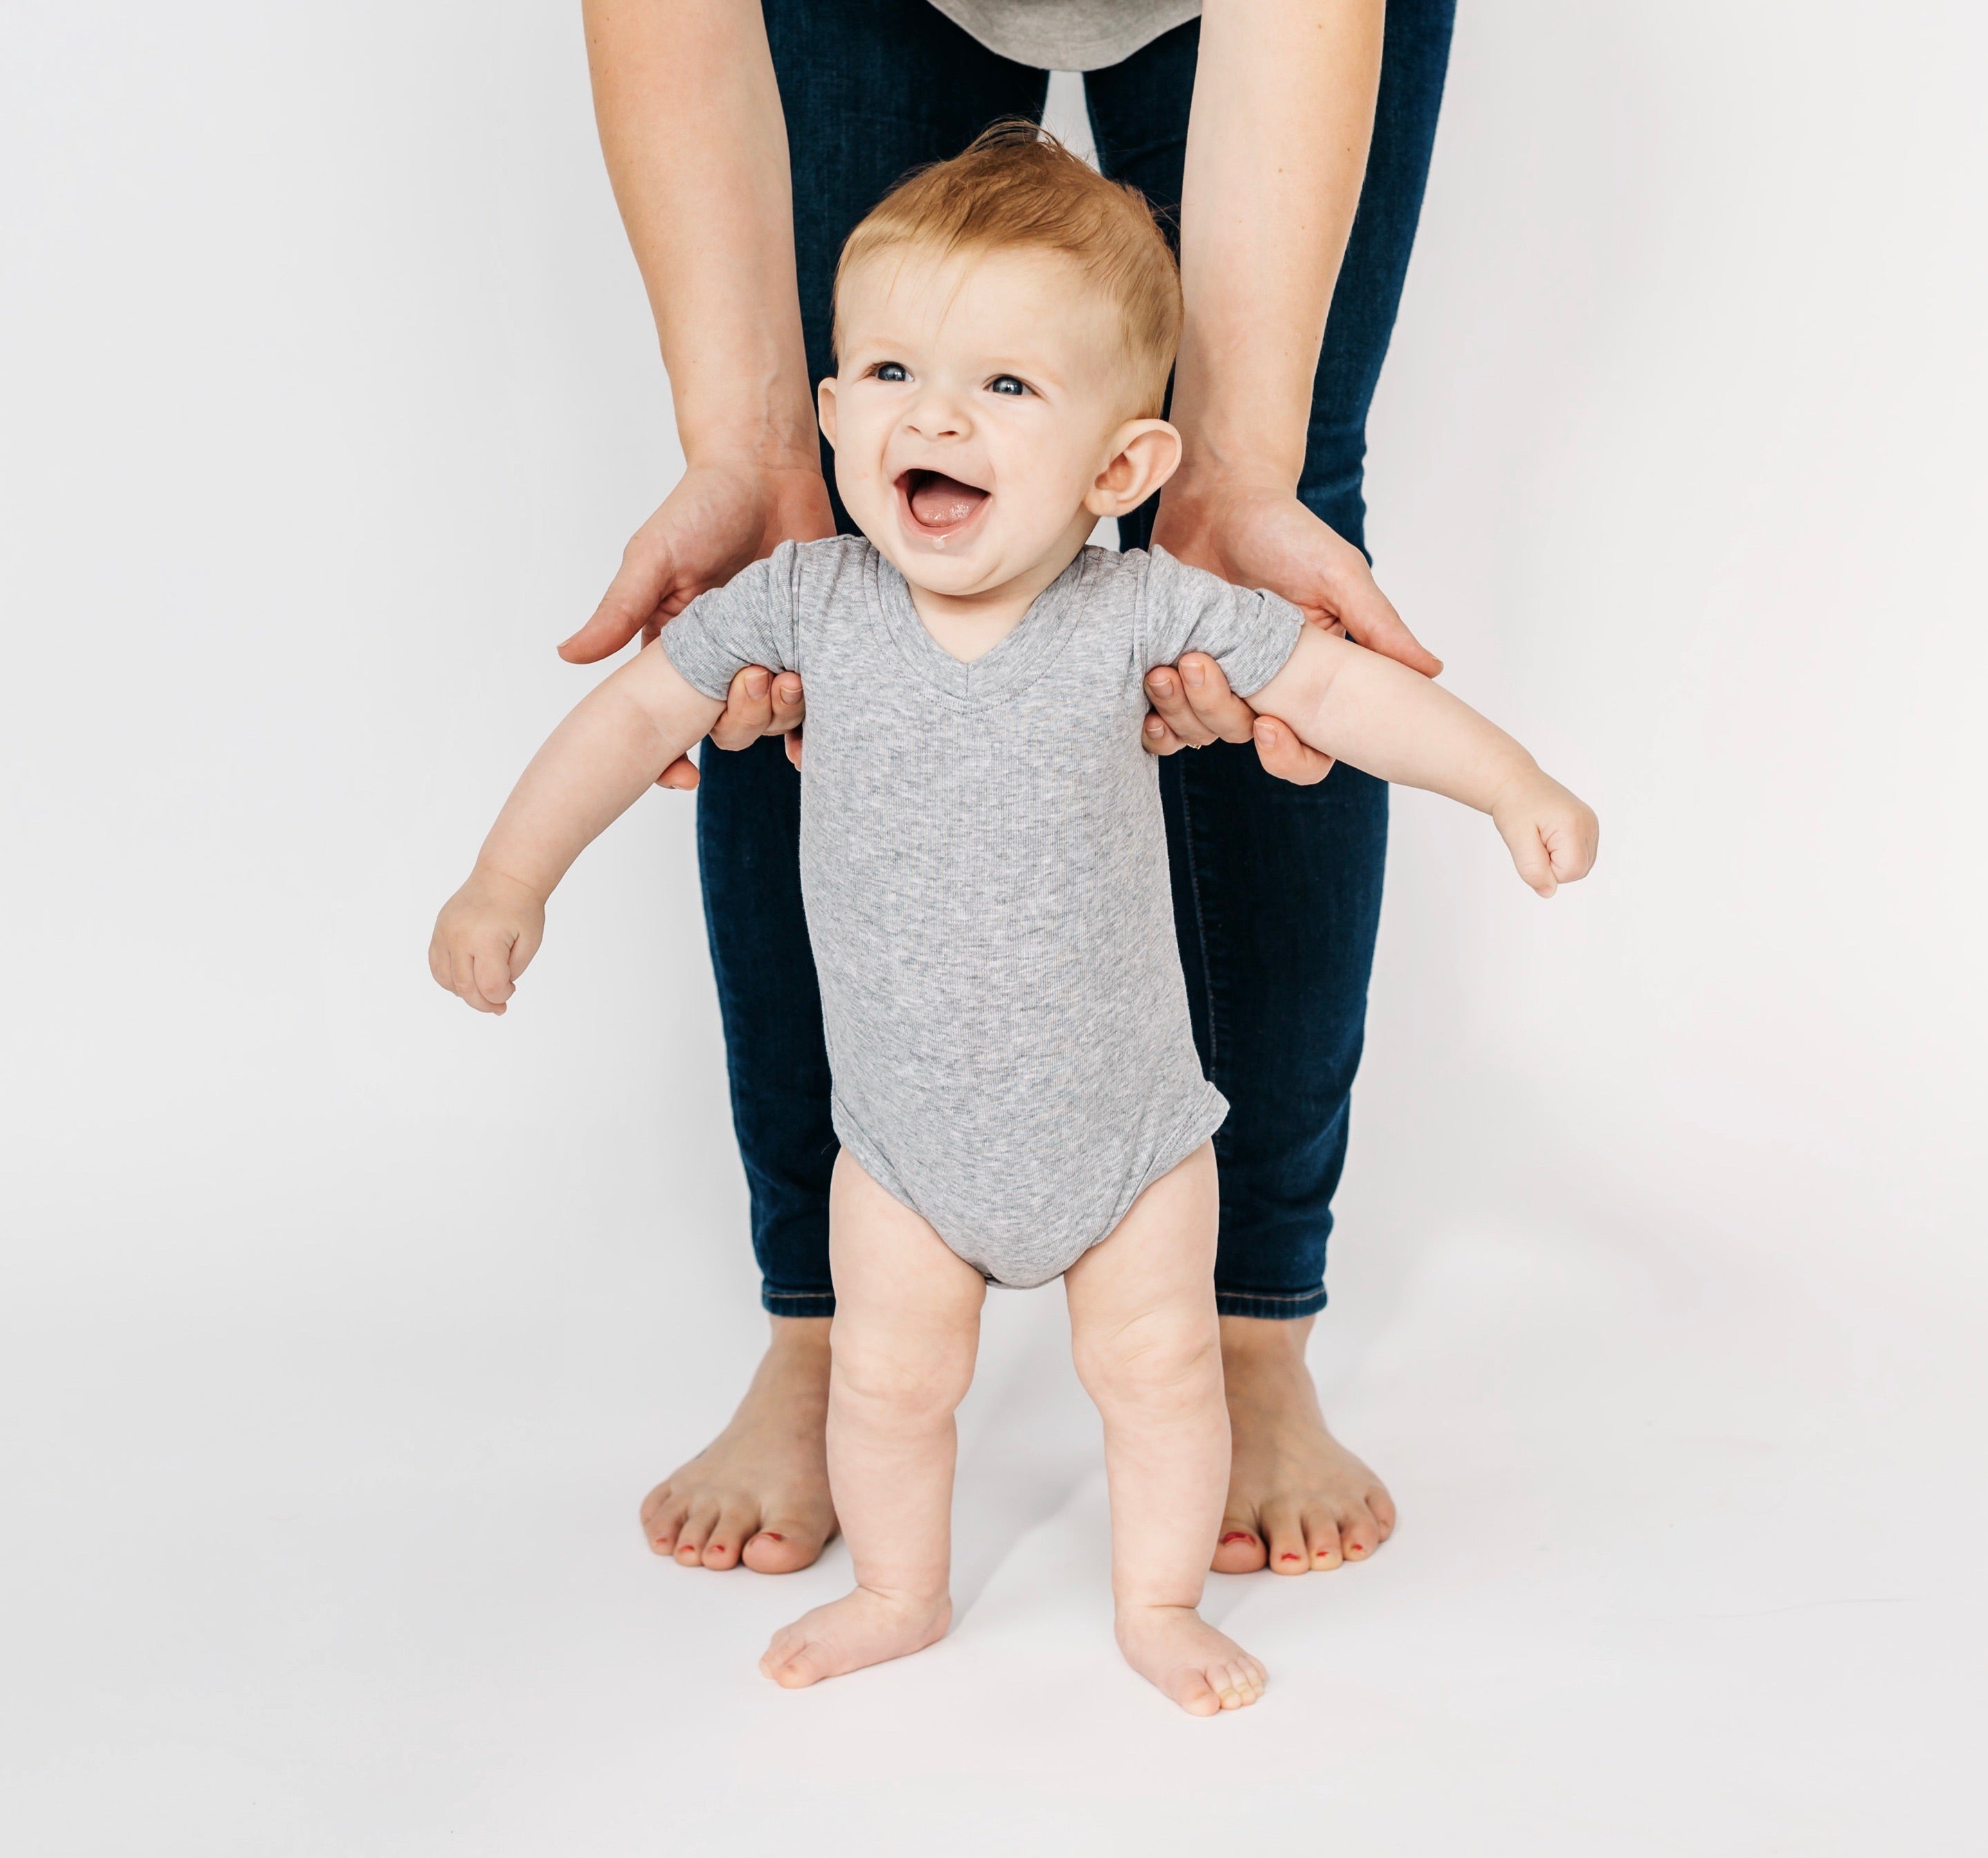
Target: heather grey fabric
<point>1067,35</point>
<point>985,869</point>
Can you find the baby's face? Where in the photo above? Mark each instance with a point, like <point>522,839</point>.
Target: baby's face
<point>977,401</point>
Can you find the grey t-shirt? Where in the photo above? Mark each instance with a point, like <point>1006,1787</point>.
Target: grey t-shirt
<point>984,866</point>
<point>1067,35</point>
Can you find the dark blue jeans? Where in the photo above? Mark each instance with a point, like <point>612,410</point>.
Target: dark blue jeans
<point>1276,888</point>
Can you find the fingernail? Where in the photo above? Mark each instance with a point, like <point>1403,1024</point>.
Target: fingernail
<point>756,683</point>
<point>1238,1535</point>
<point>1154,726</point>
<point>1163,685</point>
<point>1192,674</point>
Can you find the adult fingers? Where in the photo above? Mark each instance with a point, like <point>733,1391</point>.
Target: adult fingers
<point>1167,694</point>
<point>631,603</point>
<point>1283,755</point>
<point>749,710</point>
<point>790,703</point>
<point>1159,739</point>
<point>1216,706</point>
<point>1370,619</point>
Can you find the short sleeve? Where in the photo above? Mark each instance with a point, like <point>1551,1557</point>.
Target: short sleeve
<point>751,619</point>
<point>1250,635</point>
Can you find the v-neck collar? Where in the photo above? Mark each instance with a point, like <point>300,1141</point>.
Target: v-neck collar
<point>1001,670</point>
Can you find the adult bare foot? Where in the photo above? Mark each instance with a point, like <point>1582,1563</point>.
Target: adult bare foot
<point>1298,1499</point>
<point>758,1492</point>
<point>1175,1650</point>
<point>861,1628</point>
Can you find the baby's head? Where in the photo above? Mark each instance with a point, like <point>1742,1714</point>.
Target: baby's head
<point>1005,323</point>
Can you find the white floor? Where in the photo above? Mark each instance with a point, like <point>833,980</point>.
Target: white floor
<point>327,1542</point>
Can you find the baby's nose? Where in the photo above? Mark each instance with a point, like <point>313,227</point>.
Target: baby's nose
<point>939,416</point>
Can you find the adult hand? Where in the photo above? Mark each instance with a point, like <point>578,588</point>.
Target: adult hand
<point>1260,536</point>
<point>723,516</point>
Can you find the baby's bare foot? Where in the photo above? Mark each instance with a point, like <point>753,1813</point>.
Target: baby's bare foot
<point>1298,1499</point>
<point>861,1628</point>
<point>758,1492</point>
<point>1204,1671</point>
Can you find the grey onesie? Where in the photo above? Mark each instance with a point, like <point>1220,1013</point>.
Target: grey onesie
<point>984,865</point>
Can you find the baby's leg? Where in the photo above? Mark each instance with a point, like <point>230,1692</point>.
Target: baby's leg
<point>1148,1348</point>
<point>907,1323</point>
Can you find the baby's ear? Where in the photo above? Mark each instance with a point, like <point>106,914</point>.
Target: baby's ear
<point>825,407</point>
<point>1145,453</point>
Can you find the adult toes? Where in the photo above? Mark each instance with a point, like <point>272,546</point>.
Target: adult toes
<point>695,1534</point>
<point>1382,1506</point>
<point>1286,1536</point>
<point>1239,1549</point>
<point>662,1522</point>
<point>1322,1548</point>
<point>728,1535</point>
<point>1359,1533</point>
<point>783,1546</point>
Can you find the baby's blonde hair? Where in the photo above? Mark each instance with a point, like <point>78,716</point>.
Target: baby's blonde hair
<point>1019,188</point>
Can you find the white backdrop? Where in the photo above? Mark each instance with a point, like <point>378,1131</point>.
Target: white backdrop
<point>342,1331</point>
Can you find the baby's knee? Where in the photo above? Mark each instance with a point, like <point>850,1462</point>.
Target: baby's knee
<point>1160,1359</point>
<point>904,1385</point>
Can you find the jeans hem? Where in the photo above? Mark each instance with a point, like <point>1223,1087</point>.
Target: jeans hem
<point>797,1303</point>
<point>1253,1303</point>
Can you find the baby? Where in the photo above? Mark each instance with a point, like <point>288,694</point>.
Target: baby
<point>1016,1090</point>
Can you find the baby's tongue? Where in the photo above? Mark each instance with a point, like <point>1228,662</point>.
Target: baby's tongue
<point>940,500</point>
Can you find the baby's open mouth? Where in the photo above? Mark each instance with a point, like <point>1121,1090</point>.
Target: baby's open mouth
<point>938,503</point>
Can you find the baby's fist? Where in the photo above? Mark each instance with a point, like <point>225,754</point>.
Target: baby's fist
<point>1551,833</point>
<point>485,938</point>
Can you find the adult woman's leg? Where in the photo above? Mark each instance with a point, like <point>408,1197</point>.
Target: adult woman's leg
<point>1277,888</point>
<point>870,88</point>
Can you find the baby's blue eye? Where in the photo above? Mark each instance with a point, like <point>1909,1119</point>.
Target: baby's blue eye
<point>890,370</point>
<point>1007,383</point>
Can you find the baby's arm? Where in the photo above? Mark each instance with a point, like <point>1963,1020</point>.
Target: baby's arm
<point>590,771</point>
<point>1386,719</point>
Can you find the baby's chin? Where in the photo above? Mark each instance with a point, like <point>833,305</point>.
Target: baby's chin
<point>959,567</point>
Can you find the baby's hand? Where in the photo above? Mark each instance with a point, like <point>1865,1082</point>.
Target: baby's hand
<point>1551,833</point>
<point>485,939</point>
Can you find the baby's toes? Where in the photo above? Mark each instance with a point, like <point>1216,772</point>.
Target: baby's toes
<point>1231,1685</point>
<point>779,1653</point>
<point>1196,1695</point>
<point>793,1667</point>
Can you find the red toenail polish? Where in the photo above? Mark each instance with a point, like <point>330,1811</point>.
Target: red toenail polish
<point>772,1536</point>
<point>1238,1535</point>
<point>1287,1556</point>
